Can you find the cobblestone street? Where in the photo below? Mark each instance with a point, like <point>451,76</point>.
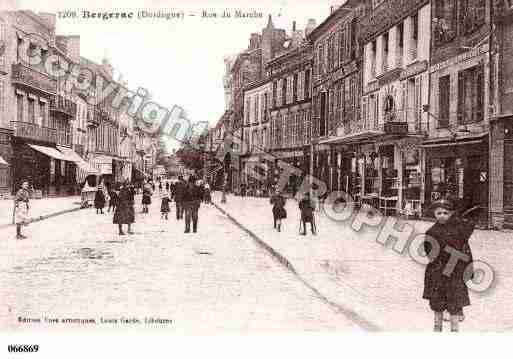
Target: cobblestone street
<point>76,266</point>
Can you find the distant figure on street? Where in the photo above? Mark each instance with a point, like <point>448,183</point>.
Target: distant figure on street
<point>99,200</point>
<point>146,197</point>
<point>180,188</point>
<point>447,291</point>
<point>164,206</point>
<point>307,207</point>
<point>160,187</point>
<point>279,212</point>
<point>167,186</point>
<point>113,199</point>
<point>125,212</point>
<point>192,199</point>
<point>207,194</point>
<point>21,209</point>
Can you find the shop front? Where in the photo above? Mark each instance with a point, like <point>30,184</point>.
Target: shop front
<point>459,169</point>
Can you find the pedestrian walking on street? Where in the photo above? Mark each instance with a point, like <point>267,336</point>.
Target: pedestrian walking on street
<point>307,208</point>
<point>164,206</point>
<point>21,209</point>
<point>125,212</point>
<point>167,186</point>
<point>160,187</point>
<point>192,199</point>
<point>446,290</point>
<point>146,197</point>
<point>180,188</point>
<point>113,199</point>
<point>207,194</point>
<point>279,212</point>
<point>99,200</point>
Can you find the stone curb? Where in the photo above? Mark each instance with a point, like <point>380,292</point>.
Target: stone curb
<point>349,313</point>
<point>46,216</point>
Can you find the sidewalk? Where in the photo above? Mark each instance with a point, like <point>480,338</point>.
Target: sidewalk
<point>39,208</point>
<point>354,272</point>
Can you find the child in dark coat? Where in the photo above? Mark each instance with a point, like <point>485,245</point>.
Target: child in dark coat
<point>307,207</point>
<point>279,212</point>
<point>99,201</point>
<point>446,289</point>
<point>164,207</point>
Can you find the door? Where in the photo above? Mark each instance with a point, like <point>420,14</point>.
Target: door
<point>476,186</point>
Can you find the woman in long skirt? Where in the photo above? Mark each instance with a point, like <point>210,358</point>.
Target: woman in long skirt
<point>125,212</point>
<point>21,208</point>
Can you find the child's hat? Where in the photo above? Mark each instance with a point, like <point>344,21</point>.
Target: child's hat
<point>445,203</point>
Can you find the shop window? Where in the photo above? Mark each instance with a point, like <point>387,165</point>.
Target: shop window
<point>445,178</point>
<point>470,95</point>
<point>444,100</point>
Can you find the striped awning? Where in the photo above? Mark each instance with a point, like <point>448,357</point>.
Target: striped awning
<point>49,151</point>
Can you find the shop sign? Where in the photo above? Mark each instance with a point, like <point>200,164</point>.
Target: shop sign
<point>372,86</point>
<point>414,69</point>
<point>460,58</point>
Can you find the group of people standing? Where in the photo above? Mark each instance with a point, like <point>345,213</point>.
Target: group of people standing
<point>306,208</point>
<point>188,196</point>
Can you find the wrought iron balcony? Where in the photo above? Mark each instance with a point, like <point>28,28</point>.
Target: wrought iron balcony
<point>33,131</point>
<point>29,77</point>
<point>64,106</point>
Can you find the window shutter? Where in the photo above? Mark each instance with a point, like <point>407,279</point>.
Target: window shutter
<point>461,98</point>
<point>364,111</point>
<point>418,101</point>
<point>349,36</point>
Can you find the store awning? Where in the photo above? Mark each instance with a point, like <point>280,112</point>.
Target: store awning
<point>72,156</point>
<point>3,162</point>
<point>449,141</point>
<point>50,152</point>
<point>354,137</point>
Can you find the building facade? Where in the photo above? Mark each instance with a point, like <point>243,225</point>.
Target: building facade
<point>337,78</point>
<point>396,40</point>
<point>457,154</point>
<point>290,107</point>
<point>37,110</point>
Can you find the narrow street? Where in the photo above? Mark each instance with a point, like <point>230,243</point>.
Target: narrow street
<point>77,266</point>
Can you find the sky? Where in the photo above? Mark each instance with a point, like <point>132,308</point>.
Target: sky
<point>180,61</point>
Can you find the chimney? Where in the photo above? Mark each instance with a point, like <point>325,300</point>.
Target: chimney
<point>312,24</point>
<point>294,26</point>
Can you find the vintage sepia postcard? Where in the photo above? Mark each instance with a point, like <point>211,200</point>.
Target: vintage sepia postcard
<point>212,167</point>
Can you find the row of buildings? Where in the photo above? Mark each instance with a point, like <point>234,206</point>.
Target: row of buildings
<point>396,102</point>
<point>52,134</point>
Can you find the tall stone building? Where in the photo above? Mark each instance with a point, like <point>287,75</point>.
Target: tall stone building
<point>501,121</point>
<point>36,109</point>
<point>457,155</point>
<point>336,92</point>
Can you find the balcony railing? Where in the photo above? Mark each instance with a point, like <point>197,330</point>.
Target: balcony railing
<point>33,131</point>
<point>64,106</point>
<point>26,76</point>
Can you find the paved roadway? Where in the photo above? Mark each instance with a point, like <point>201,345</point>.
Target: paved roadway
<point>75,266</point>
